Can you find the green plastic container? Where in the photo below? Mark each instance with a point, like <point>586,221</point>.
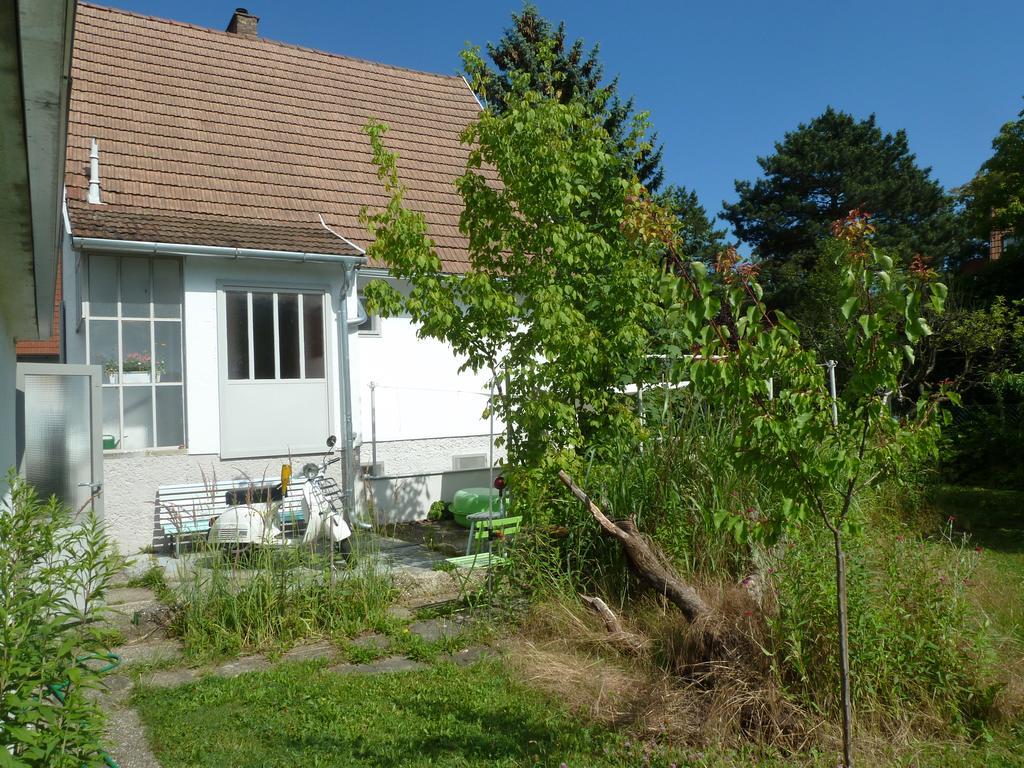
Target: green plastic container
<point>469,501</point>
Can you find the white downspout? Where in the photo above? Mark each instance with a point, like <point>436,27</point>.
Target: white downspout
<point>345,396</point>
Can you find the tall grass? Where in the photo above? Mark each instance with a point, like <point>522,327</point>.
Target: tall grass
<point>920,650</point>
<point>678,483</point>
<point>270,598</point>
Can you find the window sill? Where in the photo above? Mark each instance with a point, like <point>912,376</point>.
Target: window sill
<point>119,454</point>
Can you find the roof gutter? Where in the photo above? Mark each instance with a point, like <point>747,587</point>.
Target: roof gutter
<point>140,248</point>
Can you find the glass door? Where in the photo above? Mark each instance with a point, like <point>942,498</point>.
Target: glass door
<point>59,441</point>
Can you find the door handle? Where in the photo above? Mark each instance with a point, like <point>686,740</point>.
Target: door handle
<point>95,488</point>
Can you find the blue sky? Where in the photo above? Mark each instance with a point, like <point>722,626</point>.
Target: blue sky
<point>722,80</point>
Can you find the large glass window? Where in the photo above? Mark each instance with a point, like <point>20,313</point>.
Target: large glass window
<point>274,335</point>
<point>133,330</point>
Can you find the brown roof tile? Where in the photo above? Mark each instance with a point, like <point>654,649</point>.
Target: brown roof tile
<point>213,138</point>
<point>30,348</point>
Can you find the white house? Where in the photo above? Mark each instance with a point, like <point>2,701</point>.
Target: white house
<point>214,255</point>
<point>35,57</point>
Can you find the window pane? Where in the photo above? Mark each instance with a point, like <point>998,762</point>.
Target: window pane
<point>103,347</point>
<point>238,335</point>
<point>136,356</point>
<point>288,334</point>
<point>263,335</point>
<point>166,288</point>
<point>168,351</point>
<point>313,330</point>
<point>111,418</point>
<point>138,418</point>
<point>102,286</point>
<point>170,428</point>
<point>134,287</point>
<point>369,324</point>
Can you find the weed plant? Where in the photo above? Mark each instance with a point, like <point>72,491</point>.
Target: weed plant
<point>269,598</point>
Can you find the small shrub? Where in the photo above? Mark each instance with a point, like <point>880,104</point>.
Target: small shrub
<point>439,510</point>
<point>54,573</point>
<point>152,578</point>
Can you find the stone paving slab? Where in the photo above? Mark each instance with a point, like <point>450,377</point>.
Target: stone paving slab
<point>168,678</point>
<point>372,640</point>
<point>468,656</point>
<point>383,666</point>
<point>153,649</point>
<point>400,612</point>
<point>241,666</point>
<point>121,595</point>
<point>321,649</point>
<point>127,739</point>
<point>432,630</point>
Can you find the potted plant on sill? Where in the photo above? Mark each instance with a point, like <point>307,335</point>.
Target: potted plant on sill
<point>136,368</point>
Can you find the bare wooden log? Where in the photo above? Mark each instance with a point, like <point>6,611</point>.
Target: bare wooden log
<point>617,633</point>
<point>643,558</point>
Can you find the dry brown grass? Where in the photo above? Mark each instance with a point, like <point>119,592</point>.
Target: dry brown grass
<point>1009,703</point>
<point>672,689</point>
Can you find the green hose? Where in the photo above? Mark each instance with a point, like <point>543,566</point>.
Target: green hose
<point>59,690</point>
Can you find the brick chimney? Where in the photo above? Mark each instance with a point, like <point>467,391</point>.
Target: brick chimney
<point>243,23</point>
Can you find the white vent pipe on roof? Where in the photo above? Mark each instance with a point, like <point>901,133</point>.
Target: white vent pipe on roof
<point>94,174</point>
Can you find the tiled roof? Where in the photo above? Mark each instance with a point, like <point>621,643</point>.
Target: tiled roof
<point>214,138</point>
<point>30,348</point>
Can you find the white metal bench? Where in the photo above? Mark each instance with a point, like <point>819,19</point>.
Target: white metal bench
<point>184,511</point>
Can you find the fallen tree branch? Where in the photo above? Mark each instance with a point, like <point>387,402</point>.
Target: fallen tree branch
<point>617,634</point>
<point>643,558</point>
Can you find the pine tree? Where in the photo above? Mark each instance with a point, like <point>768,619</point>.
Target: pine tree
<point>822,171</point>
<point>566,71</point>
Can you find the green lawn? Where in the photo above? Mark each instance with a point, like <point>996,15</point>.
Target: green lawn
<point>304,715</point>
<point>995,521</point>
<point>300,714</point>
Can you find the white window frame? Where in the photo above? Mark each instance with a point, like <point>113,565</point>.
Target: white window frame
<point>373,320</point>
<point>86,314</point>
<point>250,336</point>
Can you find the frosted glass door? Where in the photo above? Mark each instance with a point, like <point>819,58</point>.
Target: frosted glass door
<point>59,426</point>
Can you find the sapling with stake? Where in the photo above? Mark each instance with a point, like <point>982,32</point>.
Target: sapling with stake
<point>816,449</point>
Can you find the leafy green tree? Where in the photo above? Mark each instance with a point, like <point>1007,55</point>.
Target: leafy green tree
<point>567,72</point>
<point>557,303</point>
<point>995,196</point>
<point>821,171</point>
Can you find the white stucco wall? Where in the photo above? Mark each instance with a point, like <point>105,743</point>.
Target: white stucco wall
<point>420,393</point>
<point>428,456</point>
<point>408,499</point>
<point>7,404</point>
